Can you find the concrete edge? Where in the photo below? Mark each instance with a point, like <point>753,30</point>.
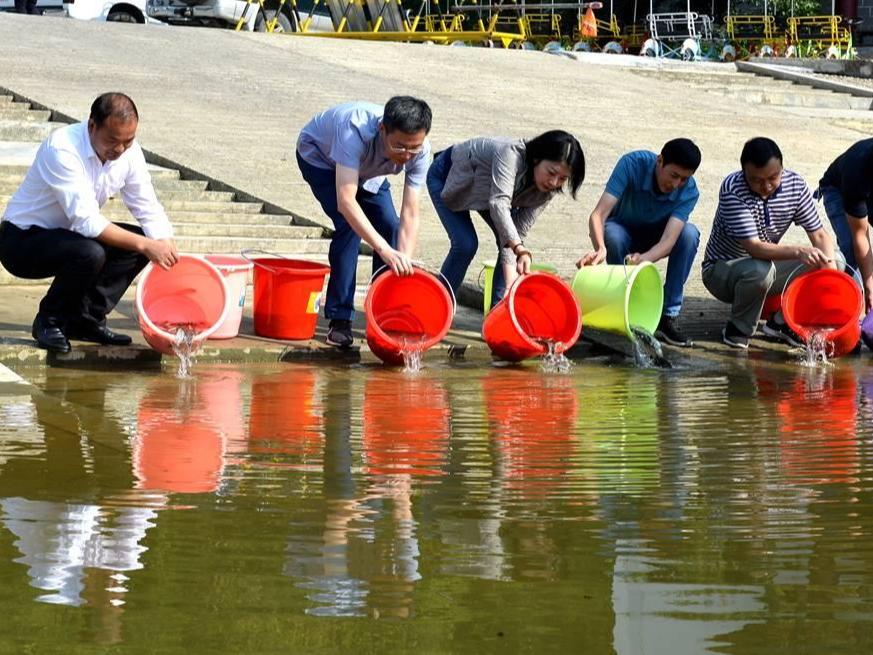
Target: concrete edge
<point>849,67</point>
<point>803,78</point>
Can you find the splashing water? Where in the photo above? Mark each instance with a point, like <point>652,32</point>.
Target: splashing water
<point>647,350</point>
<point>553,360</point>
<point>817,350</point>
<point>412,350</point>
<point>185,345</point>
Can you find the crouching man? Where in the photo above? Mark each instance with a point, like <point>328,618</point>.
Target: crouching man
<point>744,261</point>
<point>53,228</point>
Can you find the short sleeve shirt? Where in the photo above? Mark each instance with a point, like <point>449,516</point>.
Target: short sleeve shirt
<point>742,214</point>
<point>852,174</point>
<point>348,135</point>
<point>633,183</point>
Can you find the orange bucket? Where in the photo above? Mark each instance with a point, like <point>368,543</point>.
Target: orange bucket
<point>413,311</point>
<point>287,297</point>
<point>825,299</point>
<point>538,307</point>
<point>192,293</point>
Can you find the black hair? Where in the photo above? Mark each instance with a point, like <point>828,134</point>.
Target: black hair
<point>114,104</point>
<point>407,114</point>
<point>759,151</point>
<point>684,153</point>
<point>561,146</point>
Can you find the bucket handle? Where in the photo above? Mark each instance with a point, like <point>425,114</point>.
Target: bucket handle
<point>245,252</point>
<point>856,275</point>
<point>428,269</point>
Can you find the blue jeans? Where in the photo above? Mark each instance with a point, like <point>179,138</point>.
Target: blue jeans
<point>464,242</point>
<point>345,242</point>
<point>621,240</point>
<point>836,211</point>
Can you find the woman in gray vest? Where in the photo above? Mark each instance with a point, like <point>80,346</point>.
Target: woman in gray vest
<point>508,182</point>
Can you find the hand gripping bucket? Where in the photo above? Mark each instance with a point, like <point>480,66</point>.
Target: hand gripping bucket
<point>192,293</point>
<point>236,275</point>
<point>406,312</point>
<point>825,299</point>
<point>616,298</point>
<point>287,296</point>
<point>538,307</point>
<point>488,273</point>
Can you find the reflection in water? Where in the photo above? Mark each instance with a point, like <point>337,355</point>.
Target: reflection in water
<point>809,455</point>
<point>184,430</point>
<point>720,509</point>
<point>367,557</point>
<point>64,545</point>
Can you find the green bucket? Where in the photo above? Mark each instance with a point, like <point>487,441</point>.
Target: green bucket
<point>613,298</point>
<point>488,269</point>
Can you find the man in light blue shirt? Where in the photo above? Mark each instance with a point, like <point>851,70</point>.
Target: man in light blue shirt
<point>643,216</point>
<point>345,155</point>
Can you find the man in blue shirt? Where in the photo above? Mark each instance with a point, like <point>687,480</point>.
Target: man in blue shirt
<point>643,216</point>
<point>345,154</point>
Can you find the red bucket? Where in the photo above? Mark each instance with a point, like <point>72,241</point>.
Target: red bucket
<point>771,305</point>
<point>538,307</point>
<point>406,311</point>
<point>825,299</point>
<point>287,297</point>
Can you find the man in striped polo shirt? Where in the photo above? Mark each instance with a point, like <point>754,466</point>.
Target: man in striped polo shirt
<point>744,261</point>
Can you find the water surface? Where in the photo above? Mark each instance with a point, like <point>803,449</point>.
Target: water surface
<point>288,507</point>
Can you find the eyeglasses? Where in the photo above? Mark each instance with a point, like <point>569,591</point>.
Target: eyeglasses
<point>400,150</point>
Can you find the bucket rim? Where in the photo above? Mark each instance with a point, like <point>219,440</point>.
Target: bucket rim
<point>793,289</point>
<point>243,265</point>
<point>511,298</point>
<point>381,280</point>
<point>143,315</point>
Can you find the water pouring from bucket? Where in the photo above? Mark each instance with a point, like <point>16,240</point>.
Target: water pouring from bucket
<point>823,307</point>
<point>181,307</point>
<point>406,315</point>
<point>539,309</point>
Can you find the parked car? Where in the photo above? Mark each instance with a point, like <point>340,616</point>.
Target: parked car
<point>122,11</point>
<point>226,13</point>
<point>126,11</point>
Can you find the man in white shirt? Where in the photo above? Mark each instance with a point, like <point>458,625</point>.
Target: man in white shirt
<point>53,227</point>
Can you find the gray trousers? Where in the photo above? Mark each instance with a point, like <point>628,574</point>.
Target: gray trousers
<point>745,283</point>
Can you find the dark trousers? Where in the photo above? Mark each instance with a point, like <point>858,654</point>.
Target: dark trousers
<point>345,242</point>
<point>89,277</point>
<point>26,7</point>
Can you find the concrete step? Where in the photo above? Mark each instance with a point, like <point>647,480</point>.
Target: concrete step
<point>13,181</point>
<point>244,230</point>
<point>234,245</point>
<point>164,194</point>
<point>209,218</point>
<point>4,99</point>
<point>825,100</point>
<point>156,173</point>
<point>22,112</point>
<point>182,205</point>
<point>20,131</point>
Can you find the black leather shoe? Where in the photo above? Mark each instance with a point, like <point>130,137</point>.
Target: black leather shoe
<point>49,337</point>
<point>97,334</point>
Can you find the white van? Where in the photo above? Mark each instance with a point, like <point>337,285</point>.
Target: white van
<point>123,11</point>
